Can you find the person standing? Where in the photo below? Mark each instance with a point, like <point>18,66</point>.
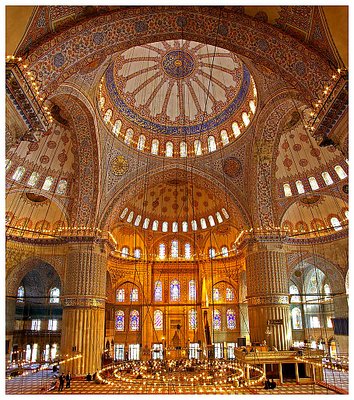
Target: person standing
<point>68,379</point>
<point>61,382</point>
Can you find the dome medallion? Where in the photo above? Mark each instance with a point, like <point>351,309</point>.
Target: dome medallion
<point>178,64</point>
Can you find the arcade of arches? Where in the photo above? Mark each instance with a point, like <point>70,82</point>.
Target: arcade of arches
<point>176,183</point>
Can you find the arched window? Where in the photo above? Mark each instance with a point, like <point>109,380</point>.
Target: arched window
<point>146,223</point>
<point>155,225</point>
<point>33,179</point>
<point>47,183</point>
<point>185,226</point>
<point>224,251</point>
<point>346,213</point>
<point>327,291</point>
<point>296,318</point>
<point>120,295</point>
<point>231,319</point>
<point>211,220</point>
<point>130,216</point>
<point>252,106</point>
<point>116,127</point>
<point>287,190</point>
<point>211,144</point>
<point>216,294</point>
<point>8,164</point>
<point>169,149</point>
<point>183,149</point>
<point>61,187</point>
<point>224,137</point>
<point>245,118</point>
<point>327,178</point>
<point>175,290</point>
<point>217,320</point>
<point>236,129</point>
<point>54,295</point>
<point>141,142</point>
<point>102,100</point>
<point>158,291</point>
<point>137,220</point>
<point>203,223</point>
<point>197,148</point>
<point>175,226</point>
<point>293,290</point>
<point>211,252</point>
<point>313,183</point>
<point>192,290</point>
<point>336,224</point>
<point>108,115</point>
<point>124,213</point>
<point>226,214</point>
<point>299,187</point>
<point>20,294</point>
<point>137,253</point>
<point>18,174</point>
<point>219,217</point>
<point>128,135</point>
<point>229,294</point>
<point>158,320</point>
<point>340,172</point>
<point>174,248</point>
<point>134,320</point>
<point>187,251</point>
<point>192,319</point>
<point>134,294</point>
<point>125,251</point>
<point>155,146</point>
<point>194,225</point>
<point>162,251</point>
<point>119,320</point>
<point>164,226</point>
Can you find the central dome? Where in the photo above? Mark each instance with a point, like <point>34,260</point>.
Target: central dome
<point>177,90</point>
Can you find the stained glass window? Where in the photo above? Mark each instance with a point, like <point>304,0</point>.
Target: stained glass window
<point>119,320</point>
<point>327,290</point>
<point>217,320</point>
<point>185,226</point>
<point>327,178</point>
<point>226,214</point>
<point>130,216</point>
<point>313,183</point>
<point>340,172</point>
<point>175,290</point>
<point>169,149</point>
<point>137,253</point>
<point>219,217</point>
<point>146,223</point>
<point>164,226</point>
<point>128,136</point>
<point>224,137</point>
<point>158,320</point>
<point>137,220</point>
<point>203,223</point>
<point>211,144</point>
<point>231,319</point>
<point>116,127</point>
<point>162,251</point>
<point>211,220</point>
<point>54,295</point>
<point>296,318</point>
<point>192,290</point>
<point>299,187</point>
<point>192,319</point>
<point>102,101</point>
<point>108,115</point>
<point>134,294</point>
<point>120,295</point>
<point>229,294</point>
<point>47,183</point>
<point>175,226</point>
<point>158,291</point>
<point>216,294</point>
<point>18,174</point>
<point>211,252</point>
<point>224,251</point>
<point>134,320</point>
<point>33,179</point>
<point>61,188</point>
<point>155,146</point>
<point>287,190</point>
<point>125,251</point>
<point>174,248</point>
<point>124,213</point>
<point>236,129</point>
<point>336,224</point>
<point>197,148</point>
<point>245,118</point>
<point>194,225</point>
<point>141,142</point>
<point>155,225</point>
<point>187,251</point>
<point>20,294</point>
<point>183,149</point>
<point>294,290</point>
<point>252,106</point>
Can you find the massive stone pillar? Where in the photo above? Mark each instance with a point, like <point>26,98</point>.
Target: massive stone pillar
<point>267,293</point>
<point>84,306</point>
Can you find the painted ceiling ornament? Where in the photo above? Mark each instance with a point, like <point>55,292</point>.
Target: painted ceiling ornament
<point>309,200</point>
<point>119,166</point>
<point>232,167</point>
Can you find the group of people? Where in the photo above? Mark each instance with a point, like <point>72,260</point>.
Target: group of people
<point>270,384</point>
<point>59,383</point>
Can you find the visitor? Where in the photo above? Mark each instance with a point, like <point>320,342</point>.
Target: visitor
<point>267,384</point>
<point>272,385</point>
<point>68,379</point>
<point>61,382</point>
<point>88,377</point>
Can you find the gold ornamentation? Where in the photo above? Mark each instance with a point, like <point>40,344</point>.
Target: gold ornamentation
<point>119,166</point>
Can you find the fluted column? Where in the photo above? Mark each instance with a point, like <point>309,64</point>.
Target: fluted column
<point>267,293</point>
<point>84,307</point>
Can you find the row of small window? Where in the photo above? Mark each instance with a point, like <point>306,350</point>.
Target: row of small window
<point>32,353</point>
<point>54,295</point>
<point>36,325</point>
<point>183,146</point>
<point>316,224</point>
<point>313,320</point>
<point>33,179</point>
<point>313,182</point>
<point>175,292</point>
<point>174,225</point>
<point>134,320</point>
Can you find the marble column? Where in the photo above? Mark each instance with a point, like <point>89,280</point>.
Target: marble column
<point>84,306</point>
<point>267,292</point>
